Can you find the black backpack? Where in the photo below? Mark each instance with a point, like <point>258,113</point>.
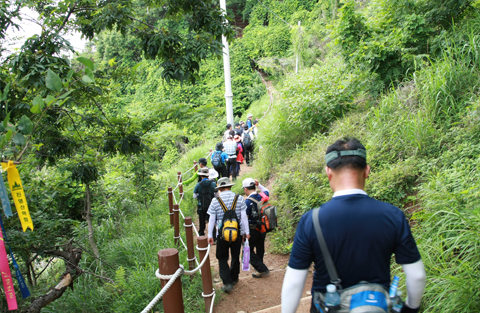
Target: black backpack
<point>217,159</point>
<point>206,194</point>
<point>247,140</point>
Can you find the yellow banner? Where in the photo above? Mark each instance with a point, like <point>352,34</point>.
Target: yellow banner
<point>18,195</point>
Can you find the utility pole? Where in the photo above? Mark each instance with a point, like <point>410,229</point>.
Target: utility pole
<point>226,69</point>
<point>298,49</point>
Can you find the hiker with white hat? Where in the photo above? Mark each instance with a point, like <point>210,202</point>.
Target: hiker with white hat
<point>204,192</point>
<point>221,209</point>
<point>249,120</point>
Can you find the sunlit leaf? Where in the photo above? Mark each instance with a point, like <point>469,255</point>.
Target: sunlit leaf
<point>53,81</point>
<point>87,62</point>
<point>87,79</point>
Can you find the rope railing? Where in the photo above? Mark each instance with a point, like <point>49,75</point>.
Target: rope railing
<point>171,279</point>
<point>159,296</point>
<point>174,210</point>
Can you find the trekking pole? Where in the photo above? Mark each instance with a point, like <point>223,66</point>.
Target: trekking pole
<point>190,251</point>
<point>208,291</point>
<point>168,264</point>
<point>176,223</point>
<point>170,204</point>
<point>196,166</point>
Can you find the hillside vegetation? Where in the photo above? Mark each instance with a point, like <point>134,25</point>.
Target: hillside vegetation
<point>124,116</point>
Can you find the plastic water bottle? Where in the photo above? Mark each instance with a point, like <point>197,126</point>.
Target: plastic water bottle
<point>332,298</point>
<point>393,287</point>
<point>398,302</point>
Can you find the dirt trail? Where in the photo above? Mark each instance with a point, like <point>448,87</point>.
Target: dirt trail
<point>254,294</point>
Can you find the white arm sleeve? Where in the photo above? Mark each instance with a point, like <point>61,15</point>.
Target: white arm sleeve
<point>195,195</point>
<point>262,188</point>
<point>211,225</point>
<point>292,289</point>
<point>246,228</point>
<point>415,279</point>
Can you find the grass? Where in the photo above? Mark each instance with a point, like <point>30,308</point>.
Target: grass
<point>423,146</point>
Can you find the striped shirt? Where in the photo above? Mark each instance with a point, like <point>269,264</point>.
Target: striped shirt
<point>230,148</point>
<point>227,197</point>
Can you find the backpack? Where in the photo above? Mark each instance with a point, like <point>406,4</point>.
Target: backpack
<point>217,158</point>
<point>247,141</point>
<point>206,195</point>
<point>230,229</point>
<point>267,216</point>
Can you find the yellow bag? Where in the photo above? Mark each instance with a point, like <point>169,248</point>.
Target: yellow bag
<point>230,229</point>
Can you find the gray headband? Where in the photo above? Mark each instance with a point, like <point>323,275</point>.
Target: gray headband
<point>336,154</point>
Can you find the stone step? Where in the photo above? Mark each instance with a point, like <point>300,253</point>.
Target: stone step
<point>303,307</point>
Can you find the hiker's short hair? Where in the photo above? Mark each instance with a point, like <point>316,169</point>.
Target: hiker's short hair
<point>350,161</point>
<point>229,125</point>
<point>255,122</point>
<point>251,187</point>
<point>232,133</point>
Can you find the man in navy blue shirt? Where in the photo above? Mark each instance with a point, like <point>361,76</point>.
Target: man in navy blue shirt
<point>361,234</point>
<point>257,239</point>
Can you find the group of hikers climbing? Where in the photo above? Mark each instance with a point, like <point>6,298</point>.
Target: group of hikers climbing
<point>349,239</point>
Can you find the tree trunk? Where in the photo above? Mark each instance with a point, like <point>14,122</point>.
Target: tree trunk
<point>72,258</point>
<point>88,218</point>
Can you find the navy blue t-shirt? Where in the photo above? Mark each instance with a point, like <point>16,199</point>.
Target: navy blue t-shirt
<point>361,234</point>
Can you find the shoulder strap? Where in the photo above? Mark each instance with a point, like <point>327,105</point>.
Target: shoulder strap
<point>332,271</point>
<point>253,200</point>
<point>222,204</point>
<point>234,204</point>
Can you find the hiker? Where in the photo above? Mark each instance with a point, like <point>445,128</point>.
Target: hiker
<point>219,157</point>
<point>227,132</point>
<point>249,120</point>
<point>230,147</point>
<point>218,216</point>
<point>257,239</point>
<point>204,192</point>
<point>238,129</point>
<point>242,124</point>
<point>239,151</point>
<point>360,233</point>
<point>202,162</point>
<point>247,139</point>
<point>255,128</point>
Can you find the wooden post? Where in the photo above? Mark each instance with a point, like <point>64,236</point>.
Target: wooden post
<point>206,273</point>
<point>168,264</point>
<point>180,191</point>
<point>179,177</point>
<point>180,187</point>
<point>196,166</point>
<point>176,223</point>
<point>170,204</point>
<point>190,251</point>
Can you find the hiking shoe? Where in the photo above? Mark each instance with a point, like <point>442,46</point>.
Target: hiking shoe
<point>235,282</point>
<point>227,287</point>
<point>260,274</point>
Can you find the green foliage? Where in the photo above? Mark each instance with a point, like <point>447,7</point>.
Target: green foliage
<point>262,41</point>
